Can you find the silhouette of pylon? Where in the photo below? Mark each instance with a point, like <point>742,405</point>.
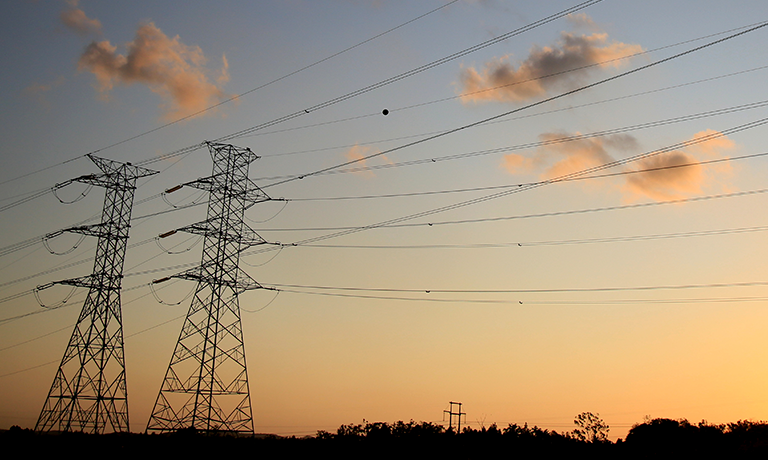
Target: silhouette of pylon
<point>206,384</point>
<point>451,414</point>
<point>89,392</point>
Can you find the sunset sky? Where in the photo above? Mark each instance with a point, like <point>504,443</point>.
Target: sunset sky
<point>484,277</point>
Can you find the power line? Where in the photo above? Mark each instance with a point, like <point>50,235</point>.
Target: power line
<point>474,189</point>
<point>236,97</point>
<point>69,265</point>
<point>415,71</point>
<point>508,186</point>
<point>538,215</point>
<point>562,178</point>
<point>67,327</point>
<point>662,287</point>
<point>537,114</point>
<point>78,298</point>
<point>42,169</point>
<point>504,114</point>
<point>451,98</point>
<point>178,120</point>
<point>479,245</point>
<point>387,81</point>
<point>530,145</point>
<point>536,302</point>
<point>614,239</point>
<point>30,197</point>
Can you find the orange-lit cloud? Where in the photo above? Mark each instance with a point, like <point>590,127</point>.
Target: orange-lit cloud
<point>75,18</point>
<point>545,69</point>
<point>665,184</point>
<point>223,77</point>
<point>714,144</point>
<point>518,164</point>
<point>665,175</point>
<point>560,158</point>
<point>580,154</point>
<point>357,153</point>
<point>582,20</point>
<point>167,66</point>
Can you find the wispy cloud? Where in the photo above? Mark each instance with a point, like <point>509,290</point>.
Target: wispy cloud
<point>545,69</point>
<point>582,20</point>
<point>76,20</point>
<point>37,90</point>
<point>357,153</point>
<point>655,177</point>
<point>167,66</point>
<point>561,158</point>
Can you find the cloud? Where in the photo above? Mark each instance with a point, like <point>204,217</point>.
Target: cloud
<point>545,69</point>
<point>37,91</point>
<point>77,21</point>
<point>661,179</point>
<point>167,66</point>
<point>37,88</point>
<point>666,184</point>
<point>223,77</point>
<point>579,154</point>
<point>676,183</point>
<point>581,20</point>
<point>358,152</point>
<point>518,164</point>
<point>716,143</point>
<point>557,158</point>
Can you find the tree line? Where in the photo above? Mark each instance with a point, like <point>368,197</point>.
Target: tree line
<point>653,438</point>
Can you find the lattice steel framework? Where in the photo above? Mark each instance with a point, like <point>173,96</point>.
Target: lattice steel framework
<point>206,385</point>
<point>89,392</point>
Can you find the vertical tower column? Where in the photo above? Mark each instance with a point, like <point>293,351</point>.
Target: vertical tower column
<point>206,384</point>
<point>89,391</point>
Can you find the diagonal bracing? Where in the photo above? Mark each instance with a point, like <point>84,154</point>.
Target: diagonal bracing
<point>89,392</point>
<point>206,384</point>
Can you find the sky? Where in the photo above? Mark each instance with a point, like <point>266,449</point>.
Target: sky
<point>526,297</point>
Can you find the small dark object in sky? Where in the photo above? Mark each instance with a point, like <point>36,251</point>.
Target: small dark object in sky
<point>385,112</point>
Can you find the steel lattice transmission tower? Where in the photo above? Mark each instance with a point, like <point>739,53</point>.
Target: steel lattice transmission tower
<point>206,385</point>
<point>88,392</point>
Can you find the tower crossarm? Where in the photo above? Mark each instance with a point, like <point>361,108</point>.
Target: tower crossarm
<point>246,236</point>
<point>206,274</point>
<point>100,230</point>
<point>251,194</point>
<point>95,281</point>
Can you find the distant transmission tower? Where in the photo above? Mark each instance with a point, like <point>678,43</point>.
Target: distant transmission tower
<point>88,392</point>
<point>451,414</point>
<point>206,385</point>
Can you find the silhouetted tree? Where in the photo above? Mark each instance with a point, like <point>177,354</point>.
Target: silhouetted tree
<point>591,428</point>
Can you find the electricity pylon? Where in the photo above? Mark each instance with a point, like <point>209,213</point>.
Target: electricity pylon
<point>89,392</point>
<point>451,413</point>
<point>206,384</point>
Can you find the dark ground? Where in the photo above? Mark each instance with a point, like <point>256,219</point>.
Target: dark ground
<point>658,438</point>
